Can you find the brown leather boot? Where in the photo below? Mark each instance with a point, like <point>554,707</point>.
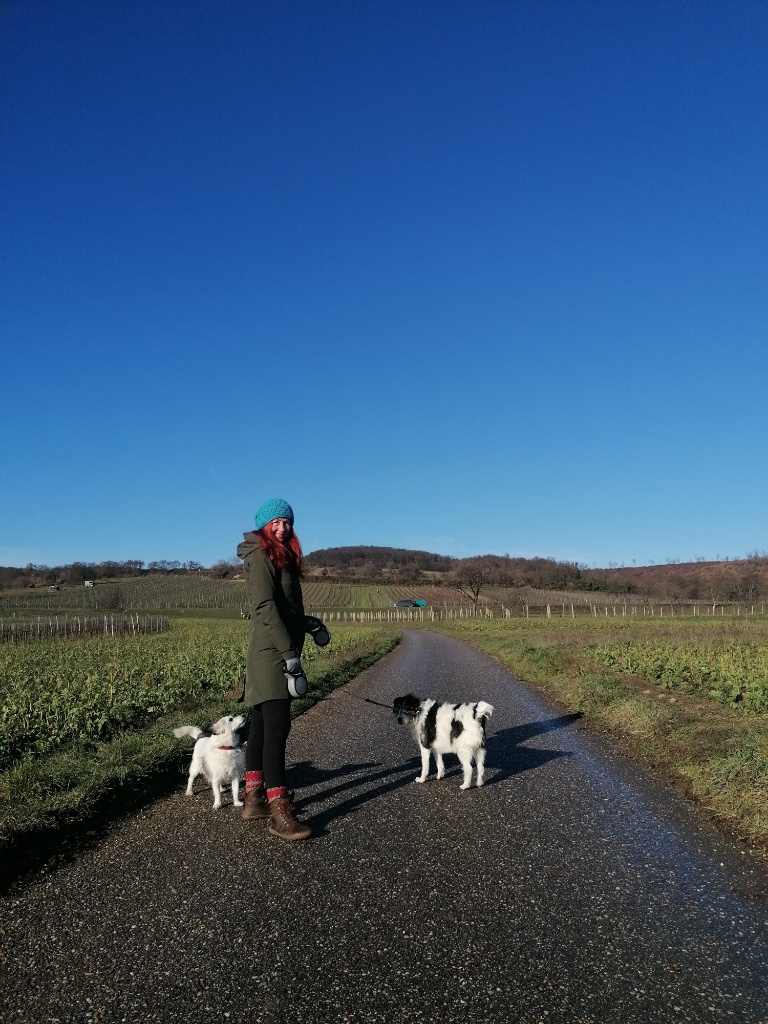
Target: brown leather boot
<point>283,821</point>
<point>255,806</point>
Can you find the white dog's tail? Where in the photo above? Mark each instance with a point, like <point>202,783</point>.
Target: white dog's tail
<point>188,730</point>
<point>484,710</point>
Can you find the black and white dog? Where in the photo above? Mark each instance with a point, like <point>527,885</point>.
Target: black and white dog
<point>446,729</point>
<point>218,755</point>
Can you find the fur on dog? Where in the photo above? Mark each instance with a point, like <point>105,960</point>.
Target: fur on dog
<point>218,755</point>
<point>446,729</point>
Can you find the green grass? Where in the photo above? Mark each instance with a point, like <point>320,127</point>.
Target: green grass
<point>699,738</point>
<point>733,672</point>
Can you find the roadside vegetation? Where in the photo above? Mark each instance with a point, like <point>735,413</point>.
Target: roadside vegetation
<point>81,718</point>
<point>687,696</point>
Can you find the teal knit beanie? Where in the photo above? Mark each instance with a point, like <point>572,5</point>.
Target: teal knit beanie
<point>272,508</point>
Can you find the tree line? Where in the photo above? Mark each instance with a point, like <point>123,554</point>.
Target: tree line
<point>737,580</point>
<point>78,572</point>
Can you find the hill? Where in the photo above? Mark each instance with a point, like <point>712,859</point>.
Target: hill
<point>737,580</point>
<point>371,563</point>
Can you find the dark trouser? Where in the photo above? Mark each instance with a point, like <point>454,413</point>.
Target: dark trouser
<point>265,750</point>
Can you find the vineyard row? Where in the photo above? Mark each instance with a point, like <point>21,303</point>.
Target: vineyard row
<point>14,631</point>
<point>572,611</point>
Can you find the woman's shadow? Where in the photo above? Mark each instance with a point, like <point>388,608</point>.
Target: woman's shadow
<point>359,784</point>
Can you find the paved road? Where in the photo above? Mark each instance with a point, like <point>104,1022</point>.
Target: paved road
<point>568,889</point>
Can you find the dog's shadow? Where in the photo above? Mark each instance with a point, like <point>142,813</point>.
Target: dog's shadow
<point>507,754</point>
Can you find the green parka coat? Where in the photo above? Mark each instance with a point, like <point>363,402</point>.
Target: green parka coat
<point>277,622</point>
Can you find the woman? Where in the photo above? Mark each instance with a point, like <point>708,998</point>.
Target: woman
<point>272,558</point>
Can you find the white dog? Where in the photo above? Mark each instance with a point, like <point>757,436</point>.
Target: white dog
<point>446,729</point>
<point>218,756</point>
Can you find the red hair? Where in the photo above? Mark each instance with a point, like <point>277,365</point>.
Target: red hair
<point>286,555</point>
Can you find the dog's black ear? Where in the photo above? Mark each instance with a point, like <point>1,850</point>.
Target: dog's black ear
<point>407,705</point>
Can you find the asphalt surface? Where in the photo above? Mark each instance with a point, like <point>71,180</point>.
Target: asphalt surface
<point>569,888</point>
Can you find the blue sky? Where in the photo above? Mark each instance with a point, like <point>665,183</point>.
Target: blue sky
<point>462,276</point>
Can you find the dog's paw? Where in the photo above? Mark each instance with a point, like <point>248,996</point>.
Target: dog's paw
<point>420,778</point>
<point>237,803</point>
<point>465,785</point>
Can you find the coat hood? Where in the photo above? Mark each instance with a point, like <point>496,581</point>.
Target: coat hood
<point>248,545</point>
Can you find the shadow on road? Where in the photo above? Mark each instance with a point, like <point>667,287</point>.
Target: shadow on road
<point>507,756</point>
<point>58,844</point>
<point>521,733</point>
<point>305,773</point>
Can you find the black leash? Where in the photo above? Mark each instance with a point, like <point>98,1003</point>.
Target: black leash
<point>368,700</point>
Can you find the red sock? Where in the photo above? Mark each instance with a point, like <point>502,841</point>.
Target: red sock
<point>272,794</point>
<point>253,780</point>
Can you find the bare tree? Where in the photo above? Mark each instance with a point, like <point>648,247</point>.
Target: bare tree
<point>471,576</point>
<point>717,587</point>
<point>748,585</point>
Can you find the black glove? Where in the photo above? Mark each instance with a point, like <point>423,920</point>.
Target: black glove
<point>318,630</point>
